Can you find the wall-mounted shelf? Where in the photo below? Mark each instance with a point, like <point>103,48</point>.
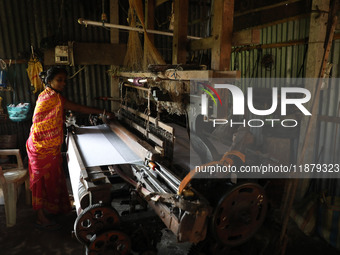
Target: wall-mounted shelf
<point>172,74</point>
<point>5,89</point>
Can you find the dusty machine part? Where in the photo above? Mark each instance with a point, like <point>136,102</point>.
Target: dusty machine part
<point>110,242</point>
<point>93,220</point>
<point>239,214</point>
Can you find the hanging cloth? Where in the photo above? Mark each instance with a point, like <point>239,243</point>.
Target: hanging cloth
<point>33,70</point>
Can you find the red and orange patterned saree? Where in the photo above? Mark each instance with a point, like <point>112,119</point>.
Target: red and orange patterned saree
<point>47,180</point>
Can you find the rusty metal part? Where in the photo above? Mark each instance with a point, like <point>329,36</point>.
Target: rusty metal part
<point>226,159</point>
<point>239,214</point>
<point>110,242</point>
<point>192,227</point>
<point>93,220</point>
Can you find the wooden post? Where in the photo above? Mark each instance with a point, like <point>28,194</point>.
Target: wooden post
<point>316,40</point>
<point>150,17</point>
<point>179,53</point>
<point>114,38</point>
<point>222,32</point>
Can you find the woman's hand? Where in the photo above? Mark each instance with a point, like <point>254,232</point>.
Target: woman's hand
<point>110,115</point>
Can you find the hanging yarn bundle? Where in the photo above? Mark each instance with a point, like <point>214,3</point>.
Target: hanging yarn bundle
<point>134,55</point>
<point>151,54</point>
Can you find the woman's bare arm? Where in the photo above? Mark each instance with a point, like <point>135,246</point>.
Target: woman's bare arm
<point>84,109</point>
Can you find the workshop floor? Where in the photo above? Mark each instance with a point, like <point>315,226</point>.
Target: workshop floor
<point>24,238</point>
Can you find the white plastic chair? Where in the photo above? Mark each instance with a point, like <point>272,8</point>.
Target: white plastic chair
<point>11,177</point>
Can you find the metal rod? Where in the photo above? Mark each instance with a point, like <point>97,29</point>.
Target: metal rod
<point>141,30</point>
<point>155,182</point>
<point>125,177</point>
<point>170,180</point>
<point>173,178</point>
<point>150,185</point>
<point>136,87</point>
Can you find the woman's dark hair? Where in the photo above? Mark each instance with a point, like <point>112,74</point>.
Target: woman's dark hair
<point>51,73</point>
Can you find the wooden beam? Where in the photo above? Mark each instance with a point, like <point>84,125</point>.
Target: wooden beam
<point>331,119</point>
<point>202,44</point>
<point>272,45</point>
<point>99,53</point>
<point>272,15</point>
<point>246,37</point>
<point>15,61</point>
<point>243,37</point>
<point>114,18</point>
<point>149,17</point>
<point>179,52</point>
<point>159,2</point>
<point>259,6</point>
<point>92,54</point>
<point>222,33</point>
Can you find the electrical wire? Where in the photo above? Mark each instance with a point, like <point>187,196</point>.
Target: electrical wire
<point>76,73</point>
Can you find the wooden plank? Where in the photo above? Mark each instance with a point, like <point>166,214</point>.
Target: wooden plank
<point>144,132</point>
<point>151,119</point>
<point>179,52</point>
<point>271,15</point>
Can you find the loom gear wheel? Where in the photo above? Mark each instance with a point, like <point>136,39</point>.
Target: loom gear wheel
<point>94,220</point>
<point>110,242</point>
<point>239,214</point>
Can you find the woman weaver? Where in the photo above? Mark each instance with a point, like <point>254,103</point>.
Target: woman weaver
<point>47,180</point>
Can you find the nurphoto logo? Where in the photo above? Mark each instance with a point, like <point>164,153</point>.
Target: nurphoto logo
<point>238,105</point>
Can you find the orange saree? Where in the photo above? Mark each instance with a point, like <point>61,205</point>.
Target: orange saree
<point>47,180</point>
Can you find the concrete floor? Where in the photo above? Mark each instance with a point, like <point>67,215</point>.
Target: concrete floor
<point>24,238</point>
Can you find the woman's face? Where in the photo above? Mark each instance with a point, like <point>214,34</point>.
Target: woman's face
<point>59,81</point>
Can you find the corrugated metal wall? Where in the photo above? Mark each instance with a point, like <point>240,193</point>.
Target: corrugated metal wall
<point>44,24</point>
<point>288,61</point>
<point>329,133</point>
